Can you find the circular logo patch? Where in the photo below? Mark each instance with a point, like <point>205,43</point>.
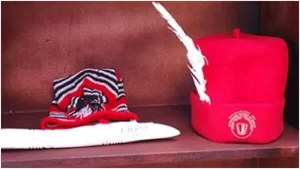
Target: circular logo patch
<point>242,124</point>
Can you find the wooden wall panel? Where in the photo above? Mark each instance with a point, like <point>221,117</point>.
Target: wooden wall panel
<point>282,19</point>
<point>42,41</point>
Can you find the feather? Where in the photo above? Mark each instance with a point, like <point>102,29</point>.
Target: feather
<point>194,55</point>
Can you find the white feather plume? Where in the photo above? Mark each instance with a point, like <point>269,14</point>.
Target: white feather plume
<point>194,55</point>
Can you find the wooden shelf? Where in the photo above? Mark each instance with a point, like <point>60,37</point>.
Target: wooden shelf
<point>187,147</point>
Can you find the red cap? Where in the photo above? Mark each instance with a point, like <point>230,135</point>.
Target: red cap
<point>236,33</point>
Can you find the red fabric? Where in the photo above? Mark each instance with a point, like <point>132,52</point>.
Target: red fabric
<point>88,83</point>
<point>101,117</point>
<point>85,97</point>
<point>212,121</point>
<point>246,73</point>
<point>110,105</point>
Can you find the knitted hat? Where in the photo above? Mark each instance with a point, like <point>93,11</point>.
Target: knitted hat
<point>90,95</point>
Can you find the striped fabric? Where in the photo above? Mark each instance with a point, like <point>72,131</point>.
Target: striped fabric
<point>88,91</point>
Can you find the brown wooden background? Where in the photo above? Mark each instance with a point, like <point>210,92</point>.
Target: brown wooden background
<point>42,41</point>
<point>46,40</point>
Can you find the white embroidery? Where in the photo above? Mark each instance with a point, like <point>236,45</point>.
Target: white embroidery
<point>242,123</point>
<point>82,113</point>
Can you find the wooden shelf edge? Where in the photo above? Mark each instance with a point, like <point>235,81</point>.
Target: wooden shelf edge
<point>147,159</point>
<point>187,147</point>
